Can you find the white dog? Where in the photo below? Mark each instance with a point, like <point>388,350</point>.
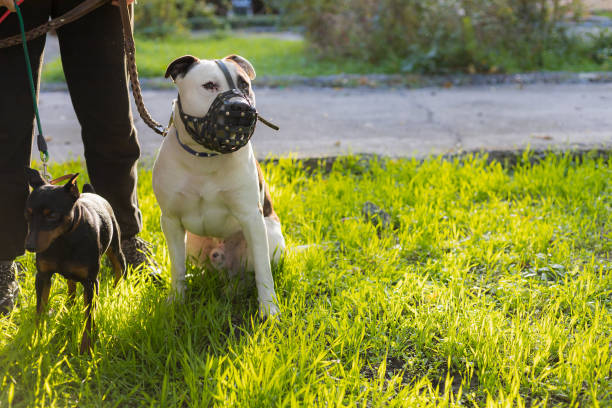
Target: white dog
<point>214,195</point>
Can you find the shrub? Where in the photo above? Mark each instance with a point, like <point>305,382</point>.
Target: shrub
<point>436,35</point>
<point>162,17</point>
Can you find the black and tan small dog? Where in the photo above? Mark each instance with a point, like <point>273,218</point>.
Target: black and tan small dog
<point>69,232</point>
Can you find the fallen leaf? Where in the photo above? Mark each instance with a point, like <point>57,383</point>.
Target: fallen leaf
<point>543,137</point>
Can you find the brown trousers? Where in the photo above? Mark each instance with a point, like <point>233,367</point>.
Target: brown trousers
<point>94,66</point>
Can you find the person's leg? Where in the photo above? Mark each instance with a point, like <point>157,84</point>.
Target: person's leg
<point>94,66</point>
<point>16,125</point>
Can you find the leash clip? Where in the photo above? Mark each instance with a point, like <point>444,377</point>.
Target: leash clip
<point>44,156</point>
<point>163,131</point>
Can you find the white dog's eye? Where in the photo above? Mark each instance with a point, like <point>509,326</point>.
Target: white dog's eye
<point>209,85</point>
<point>243,85</point>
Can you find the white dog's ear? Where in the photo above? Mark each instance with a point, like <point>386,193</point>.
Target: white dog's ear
<point>244,64</point>
<point>180,66</point>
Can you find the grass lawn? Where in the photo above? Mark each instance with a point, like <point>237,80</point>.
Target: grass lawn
<point>494,287</point>
<point>272,57</point>
<point>603,13</point>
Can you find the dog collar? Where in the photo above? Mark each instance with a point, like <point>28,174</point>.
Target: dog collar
<point>190,150</point>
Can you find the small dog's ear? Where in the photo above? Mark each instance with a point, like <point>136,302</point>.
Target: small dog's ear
<point>180,66</point>
<point>244,64</point>
<point>34,178</point>
<point>71,187</point>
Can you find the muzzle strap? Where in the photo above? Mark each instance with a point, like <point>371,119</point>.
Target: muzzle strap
<point>267,122</point>
<point>227,74</point>
<point>230,81</point>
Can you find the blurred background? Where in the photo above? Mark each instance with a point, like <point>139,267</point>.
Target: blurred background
<point>326,37</point>
<point>391,77</point>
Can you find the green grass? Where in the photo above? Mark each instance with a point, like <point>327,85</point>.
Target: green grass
<point>273,57</point>
<point>494,288</point>
<point>603,13</point>
<point>578,59</point>
<point>270,56</point>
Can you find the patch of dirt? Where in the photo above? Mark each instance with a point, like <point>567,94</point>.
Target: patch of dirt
<point>508,158</point>
<point>409,371</point>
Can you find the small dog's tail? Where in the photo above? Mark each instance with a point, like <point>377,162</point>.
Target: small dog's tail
<point>88,188</point>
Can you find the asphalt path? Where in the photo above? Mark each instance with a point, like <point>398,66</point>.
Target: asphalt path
<point>320,122</point>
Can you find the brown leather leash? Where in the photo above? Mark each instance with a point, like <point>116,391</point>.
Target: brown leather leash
<point>68,17</point>
<point>130,49</point>
<point>130,53</point>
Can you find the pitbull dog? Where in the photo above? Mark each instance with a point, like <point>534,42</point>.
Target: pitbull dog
<point>221,195</point>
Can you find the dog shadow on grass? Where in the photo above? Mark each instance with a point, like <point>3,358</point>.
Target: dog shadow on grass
<point>55,329</point>
<point>213,311</point>
<point>139,337</point>
<point>140,328</point>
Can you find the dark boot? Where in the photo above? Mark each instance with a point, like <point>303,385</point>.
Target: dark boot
<point>9,288</point>
<point>138,254</point>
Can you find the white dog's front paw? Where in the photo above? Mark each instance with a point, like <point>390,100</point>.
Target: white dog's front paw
<point>176,295</point>
<point>268,309</point>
